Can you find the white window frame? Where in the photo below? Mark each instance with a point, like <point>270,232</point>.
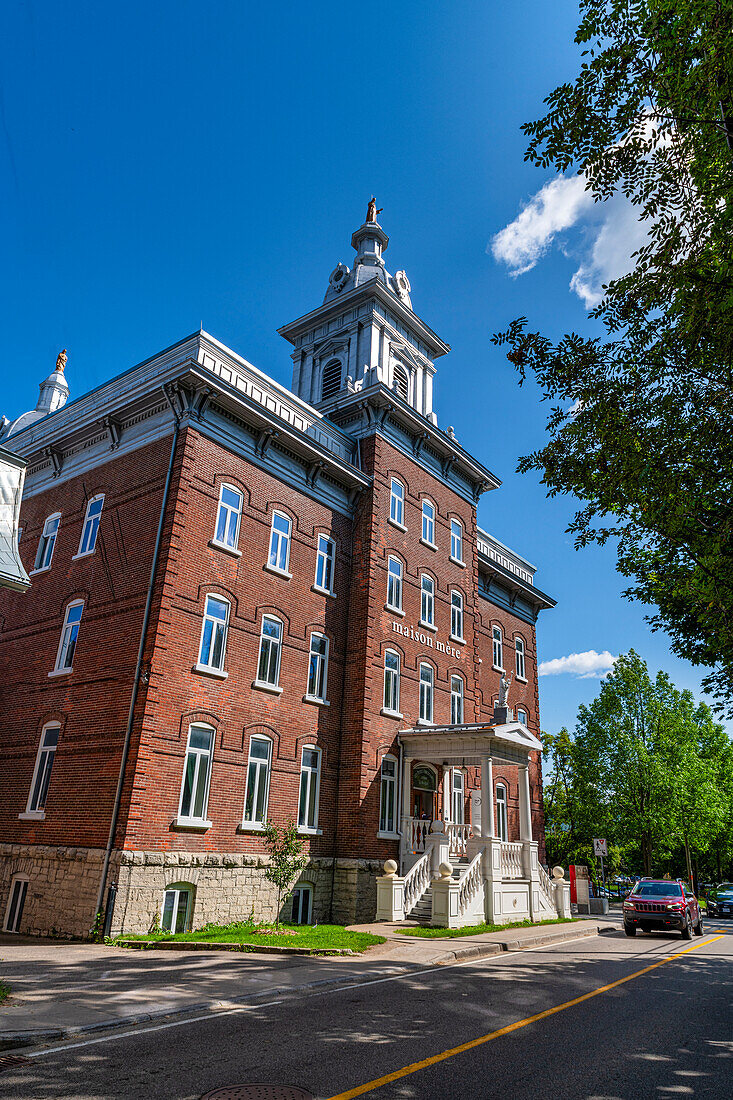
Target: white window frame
<point>456,541</point>
<point>427,694</point>
<point>216,625</point>
<point>311,776</point>
<point>391,678</point>
<point>387,782</point>
<point>502,816</point>
<point>395,583</point>
<point>228,511</point>
<point>270,685</point>
<point>457,698</point>
<point>202,757</point>
<point>520,663</point>
<point>427,601</point>
<point>522,716</point>
<point>90,527</point>
<point>325,563</point>
<point>278,539</point>
<point>456,616</point>
<point>497,648</point>
<point>304,890</point>
<point>262,767</point>
<point>397,503</point>
<point>69,636</point>
<point>44,556</point>
<point>458,797</point>
<point>428,524</point>
<point>321,665</point>
<point>42,771</point>
<point>177,889</point>
<point>22,880</point>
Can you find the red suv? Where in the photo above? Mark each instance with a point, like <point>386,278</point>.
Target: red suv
<point>658,905</point>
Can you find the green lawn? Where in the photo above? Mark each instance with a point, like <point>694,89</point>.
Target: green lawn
<point>320,937</point>
<point>477,929</point>
<point>4,992</point>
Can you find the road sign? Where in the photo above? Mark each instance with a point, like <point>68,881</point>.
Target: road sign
<point>600,848</point>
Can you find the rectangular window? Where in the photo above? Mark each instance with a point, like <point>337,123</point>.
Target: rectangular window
<point>394,584</point>
<point>522,716</point>
<point>280,542</point>
<point>42,772</point>
<point>318,667</point>
<point>48,541</point>
<point>196,774</point>
<point>392,681</point>
<point>456,700</point>
<point>214,634</point>
<point>456,540</point>
<point>258,781</point>
<point>502,830</point>
<point>497,647</point>
<point>268,669</point>
<point>325,559</point>
<point>519,658</point>
<point>176,910</point>
<point>397,502</point>
<point>456,616</point>
<point>388,796</point>
<point>228,517</point>
<point>310,774</point>
<point>90,528</point>
<point>69,634</point>
<point>426,693</point>
<point>459,797</point>
<point>428,522</point>
<point>427,600</point>
<point>302,904</point>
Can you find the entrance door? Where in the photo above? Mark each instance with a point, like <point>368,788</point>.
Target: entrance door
<point>16,901</point>
<point>424,790</point>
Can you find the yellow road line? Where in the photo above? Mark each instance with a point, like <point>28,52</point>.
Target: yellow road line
<point>414,1067</point>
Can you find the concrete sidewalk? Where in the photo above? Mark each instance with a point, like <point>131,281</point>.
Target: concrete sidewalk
<point>61,989</point>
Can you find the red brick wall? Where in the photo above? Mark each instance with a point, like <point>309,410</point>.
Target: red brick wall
<point>91,703</point>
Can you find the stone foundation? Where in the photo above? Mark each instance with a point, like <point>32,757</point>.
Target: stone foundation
<point>63,884</point>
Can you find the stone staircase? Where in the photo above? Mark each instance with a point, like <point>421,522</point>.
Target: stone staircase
<point>423,911</point>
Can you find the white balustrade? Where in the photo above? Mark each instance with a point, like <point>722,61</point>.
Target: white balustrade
<point>511,860</point>
<point>416,829</point>
<point>470,884</point>
<point>417,881</point>
<point>546,884</point>
<point>458,837</point>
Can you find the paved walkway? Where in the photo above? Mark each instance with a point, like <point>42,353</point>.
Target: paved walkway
<point>59,989</point>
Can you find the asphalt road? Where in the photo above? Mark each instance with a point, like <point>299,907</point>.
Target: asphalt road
<point>665,1032</point>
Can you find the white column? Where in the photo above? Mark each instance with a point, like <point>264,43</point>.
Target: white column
<point>447,794</point>
<point>487,797</point>
<point>406,786</point>
<point>525,807</point>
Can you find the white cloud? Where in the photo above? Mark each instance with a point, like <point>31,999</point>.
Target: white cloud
<point>585,666</point>
<point>607,234</point>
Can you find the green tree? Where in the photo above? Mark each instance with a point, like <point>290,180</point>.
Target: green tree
<point>647,443</point>
<point>286,859</point>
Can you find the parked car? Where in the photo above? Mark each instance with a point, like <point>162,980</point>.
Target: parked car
<point>720,900</point>
<point>659,905</point>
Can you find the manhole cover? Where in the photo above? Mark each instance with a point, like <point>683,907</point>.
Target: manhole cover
<point>7,1061</point>
<point>258,1092</point>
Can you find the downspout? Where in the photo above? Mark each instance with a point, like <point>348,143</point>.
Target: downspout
<point>138,666</point>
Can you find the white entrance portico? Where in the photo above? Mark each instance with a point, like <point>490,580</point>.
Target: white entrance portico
<point>455,872</point>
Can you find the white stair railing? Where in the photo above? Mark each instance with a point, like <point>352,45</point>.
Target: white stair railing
<point>471,883</point>
<point>416,830</point>
<point>458,837</point>
<point>511,860</point>
<point>417,880</point>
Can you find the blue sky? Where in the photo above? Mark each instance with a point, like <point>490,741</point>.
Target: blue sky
<point>168,164</point>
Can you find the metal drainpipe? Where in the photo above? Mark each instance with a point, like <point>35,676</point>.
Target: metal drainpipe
<point>138,666</point>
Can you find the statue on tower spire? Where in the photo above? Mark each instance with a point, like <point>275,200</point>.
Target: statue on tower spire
<point>61,359</point>
<point>372,212</point>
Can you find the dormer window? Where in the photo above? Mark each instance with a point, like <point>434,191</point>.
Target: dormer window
<point>331,380</point>
<point>400,381</point>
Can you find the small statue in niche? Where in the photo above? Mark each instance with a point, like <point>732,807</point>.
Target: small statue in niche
<point>61,360</point>
<point>504,684</point>
<point>372,212</point>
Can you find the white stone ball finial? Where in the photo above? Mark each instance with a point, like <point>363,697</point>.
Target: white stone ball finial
<point>446,870</point>
<point>558,872</point>
<point>390,868</point>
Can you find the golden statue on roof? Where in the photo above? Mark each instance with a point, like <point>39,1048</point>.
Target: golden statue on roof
<point>61,360</point>
<point>372,212</point>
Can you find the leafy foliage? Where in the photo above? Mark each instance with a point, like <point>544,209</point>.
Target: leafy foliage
<point>647,443</point>
<point>286,858</point>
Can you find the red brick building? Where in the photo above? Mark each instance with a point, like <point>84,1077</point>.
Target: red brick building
<point>253,604</point>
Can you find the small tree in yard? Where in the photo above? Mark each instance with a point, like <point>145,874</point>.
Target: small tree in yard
<point>286,859</point>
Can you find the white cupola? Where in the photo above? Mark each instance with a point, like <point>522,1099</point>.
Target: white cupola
<point>54,393</point>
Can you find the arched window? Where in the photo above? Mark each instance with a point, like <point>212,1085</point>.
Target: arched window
<point>400,382</point>
<point>331,383</point>
<point>258,781</point>
<point>502,829</point>
<point>427,676</point>
<point>459,796</point>
<point>392,682</point>
<point>456,700</point>
<point>388,795</point>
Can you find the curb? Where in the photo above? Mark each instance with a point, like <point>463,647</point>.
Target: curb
<point>250,948</point>
<point>12,1040</point>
